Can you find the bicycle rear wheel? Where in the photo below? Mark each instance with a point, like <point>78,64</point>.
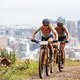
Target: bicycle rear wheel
<point>59,61</point>
<point>52,64</point>
<point>53,60</point>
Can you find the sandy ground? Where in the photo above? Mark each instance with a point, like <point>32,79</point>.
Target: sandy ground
<point>68,73</point>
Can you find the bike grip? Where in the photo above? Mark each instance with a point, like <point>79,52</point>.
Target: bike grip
<point>33,40</point>
<point>66,41</point>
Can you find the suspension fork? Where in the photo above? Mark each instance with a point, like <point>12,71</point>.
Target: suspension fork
<point>45,53</point>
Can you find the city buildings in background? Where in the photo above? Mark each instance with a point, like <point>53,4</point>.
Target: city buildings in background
<point>78,29</point>
<point>72,28</point>
<point>17,38</point>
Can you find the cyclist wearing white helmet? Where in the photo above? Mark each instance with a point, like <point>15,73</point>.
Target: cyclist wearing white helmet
<point>63,34</point>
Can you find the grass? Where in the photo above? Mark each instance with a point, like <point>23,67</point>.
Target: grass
<point>18,71</point>
<point>69,62</point>
<point>21,70</point>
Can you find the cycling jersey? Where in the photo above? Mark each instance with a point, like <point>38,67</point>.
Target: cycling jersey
<point>60,31</point>
<point>46,30</point>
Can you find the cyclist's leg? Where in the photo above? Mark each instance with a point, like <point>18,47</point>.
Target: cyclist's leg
<point>55,56</point>
<point>50,45</point>
<point>50,38</point>
<point>53,51</point>
<point>63,52</point>
<point>62,48</point>
<point>50,48</point>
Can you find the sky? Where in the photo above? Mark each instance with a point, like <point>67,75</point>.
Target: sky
<point>34,11</point>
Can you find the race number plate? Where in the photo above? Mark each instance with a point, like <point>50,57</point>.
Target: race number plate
<point>44,43</point>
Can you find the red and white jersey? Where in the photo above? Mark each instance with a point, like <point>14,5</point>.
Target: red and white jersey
<point>46,30</point>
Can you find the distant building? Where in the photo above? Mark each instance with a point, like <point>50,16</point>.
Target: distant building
<point>17,39</point>
<point>78,29</point>
<point>2,31</point>
<point>72,28</point>
<point>3,42</point>
<point>74,42</point>
<point>23,48</point>
<point>78,23</point>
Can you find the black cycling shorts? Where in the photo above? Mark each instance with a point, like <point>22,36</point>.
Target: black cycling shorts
<point>62,38</point>
<point>45,39</point>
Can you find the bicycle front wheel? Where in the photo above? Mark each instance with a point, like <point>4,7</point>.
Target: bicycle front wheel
<point>41,64</point>
<point>52,64</point>
<point>47,62</point>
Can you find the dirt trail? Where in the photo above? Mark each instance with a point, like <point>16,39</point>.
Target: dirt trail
<point>69,73</point>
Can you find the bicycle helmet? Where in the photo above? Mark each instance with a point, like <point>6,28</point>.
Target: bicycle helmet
<point>59,23</point>
<point>45,22</point>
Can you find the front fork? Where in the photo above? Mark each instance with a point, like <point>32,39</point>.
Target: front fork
<point>45,54</point>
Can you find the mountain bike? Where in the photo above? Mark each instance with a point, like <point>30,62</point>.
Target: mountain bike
<point>59,55</point>
<point>45,58</point>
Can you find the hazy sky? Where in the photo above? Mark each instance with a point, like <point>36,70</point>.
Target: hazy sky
<point>33,11</point>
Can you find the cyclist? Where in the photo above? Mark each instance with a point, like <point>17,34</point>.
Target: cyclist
<point>47,32</point>
<point>63,34</point>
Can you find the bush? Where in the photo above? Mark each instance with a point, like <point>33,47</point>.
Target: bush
<point>11,56</point>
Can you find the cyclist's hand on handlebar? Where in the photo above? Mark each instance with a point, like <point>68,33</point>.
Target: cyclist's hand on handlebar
<point>33,40</point>
<point>66,41</point>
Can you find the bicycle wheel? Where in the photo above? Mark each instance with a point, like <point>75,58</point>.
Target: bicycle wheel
<point>47,62</point>
<point>41,64</point>
<point>59,61</point>
<point>52,63</point>
<point>53,60</point>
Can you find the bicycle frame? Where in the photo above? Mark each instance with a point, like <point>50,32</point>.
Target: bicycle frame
<point>44,47</point>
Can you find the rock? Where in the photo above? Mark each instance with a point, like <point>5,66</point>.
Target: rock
<point>5,61</point>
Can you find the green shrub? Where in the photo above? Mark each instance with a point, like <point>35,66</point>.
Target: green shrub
<point>11,56</point>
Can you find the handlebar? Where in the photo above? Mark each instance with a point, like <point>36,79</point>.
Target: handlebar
<point>33,40</point>
<point>54,41</point>
<point>64,41</point>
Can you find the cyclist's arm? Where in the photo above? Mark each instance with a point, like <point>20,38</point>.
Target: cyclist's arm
<point>54,32</point>
<point>34,32</point>
<point>67,33</point>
